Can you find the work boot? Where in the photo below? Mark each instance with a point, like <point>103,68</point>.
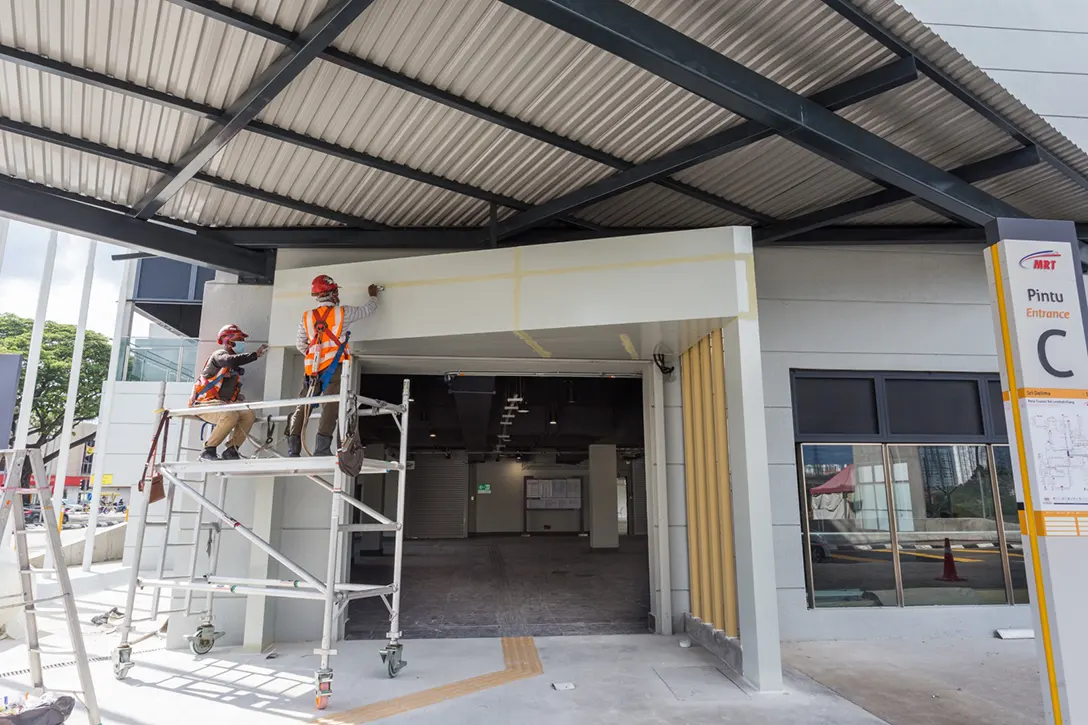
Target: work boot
<point>324,445</point>
<point>209,454</point>
<point>230,454</point>
<point>294,446</point>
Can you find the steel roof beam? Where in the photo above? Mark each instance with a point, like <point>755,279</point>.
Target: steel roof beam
<point>885,37</point>
<point>269,31</point>
<point>669,54</point>
<point>994,166</point>
<point>260,128</point>
<point>52,137</point>
<point>40,206</point>
<point>313,39</point>
<point>867,85</point>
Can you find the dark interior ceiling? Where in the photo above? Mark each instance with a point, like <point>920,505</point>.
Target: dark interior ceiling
<point>565,415</point>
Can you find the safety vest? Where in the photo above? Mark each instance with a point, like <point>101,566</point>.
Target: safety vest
<point>207,389</point>
<point>324,328</point>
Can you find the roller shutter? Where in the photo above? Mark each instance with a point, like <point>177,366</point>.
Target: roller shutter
<point>637,516</point>
<point>436,505</point>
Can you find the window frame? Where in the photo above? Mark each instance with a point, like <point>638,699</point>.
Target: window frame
<point>883,435</point>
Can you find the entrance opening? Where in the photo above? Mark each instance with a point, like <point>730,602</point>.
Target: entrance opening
<point>500,519</point>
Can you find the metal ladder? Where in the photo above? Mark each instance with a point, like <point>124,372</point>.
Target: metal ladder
<point>15,462</point>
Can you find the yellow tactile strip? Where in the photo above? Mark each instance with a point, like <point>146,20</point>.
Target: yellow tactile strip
<point>521,660</point>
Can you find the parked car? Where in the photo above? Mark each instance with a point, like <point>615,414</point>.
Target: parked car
<point>32,514</point>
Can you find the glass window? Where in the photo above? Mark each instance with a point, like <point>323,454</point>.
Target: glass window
<point>949,549</point>
<point>934,407</point>
<point>846,503</point>
<point>1006,492</point>
<point>835,406</point>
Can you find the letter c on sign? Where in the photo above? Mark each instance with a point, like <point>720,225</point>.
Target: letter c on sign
<point>1042,355</point>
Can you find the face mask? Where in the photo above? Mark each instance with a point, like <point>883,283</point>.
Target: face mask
<point>239,347</point>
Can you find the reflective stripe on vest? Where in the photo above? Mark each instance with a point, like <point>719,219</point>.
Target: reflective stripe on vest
<point>324,338</point>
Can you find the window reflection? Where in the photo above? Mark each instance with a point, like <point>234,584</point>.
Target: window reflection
<point>950,551</point>
<point>1006,492</point>
<point>847,507</point>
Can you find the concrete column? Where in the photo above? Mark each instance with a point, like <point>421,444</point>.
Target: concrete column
<point>604,531</point>
<point>750,479</point>
<point>657,503</point>
<point>267,514</point>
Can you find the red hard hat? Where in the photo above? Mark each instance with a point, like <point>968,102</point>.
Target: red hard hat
<point>230,332</point>
<point>323,284</point>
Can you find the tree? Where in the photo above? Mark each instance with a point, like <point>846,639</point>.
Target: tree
<point>51,389</point>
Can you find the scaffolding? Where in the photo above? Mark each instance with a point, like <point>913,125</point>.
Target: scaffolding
<point>191,478</point>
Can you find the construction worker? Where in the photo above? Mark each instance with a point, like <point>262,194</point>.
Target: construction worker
<point>322,338</point>
<point>220,384</point>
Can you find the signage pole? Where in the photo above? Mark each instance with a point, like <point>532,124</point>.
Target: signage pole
<point>1040,318</point>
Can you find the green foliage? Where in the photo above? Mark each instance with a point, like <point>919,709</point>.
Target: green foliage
<point>51,388</point>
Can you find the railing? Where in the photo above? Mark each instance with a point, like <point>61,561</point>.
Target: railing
<point>157,359</point>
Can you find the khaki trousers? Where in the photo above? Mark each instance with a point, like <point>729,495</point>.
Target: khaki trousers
<point>235,424</point>
<point>330,412</point>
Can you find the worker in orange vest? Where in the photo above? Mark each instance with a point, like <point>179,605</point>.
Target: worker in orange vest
<point>220,383</point>
<point>322,338</point>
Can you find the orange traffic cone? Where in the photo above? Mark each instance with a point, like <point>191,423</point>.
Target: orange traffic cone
<point>949,574</point>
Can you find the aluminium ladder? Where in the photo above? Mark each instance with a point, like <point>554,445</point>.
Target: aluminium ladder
<point>191,478</point>
<point>15,463</point>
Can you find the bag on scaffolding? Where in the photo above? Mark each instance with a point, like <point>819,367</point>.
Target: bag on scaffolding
<point>158,490</point>
<point>350,455</point>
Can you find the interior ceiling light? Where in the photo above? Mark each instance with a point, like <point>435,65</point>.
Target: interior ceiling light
<point>515,399</point>
<point>523,410</point>
<point>433,434</point>
<point>504,436</point>
<point>553,421</point>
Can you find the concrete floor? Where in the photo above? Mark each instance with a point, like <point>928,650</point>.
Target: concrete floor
<point>510,586</point>
<point>939,682</point>
<point>619,679</point>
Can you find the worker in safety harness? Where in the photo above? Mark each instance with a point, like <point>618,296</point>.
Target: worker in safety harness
<point>220,383</point>
<point>323,339</point>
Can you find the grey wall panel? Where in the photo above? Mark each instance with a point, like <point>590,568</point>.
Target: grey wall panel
<point>636,518</point>
<point>436,505</point>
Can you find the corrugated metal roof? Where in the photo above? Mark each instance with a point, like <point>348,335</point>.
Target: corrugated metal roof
<point>346,108</point>
<point>503,59</point>
<point>341,185</point>
<point>777,177</point>
<point>923,119</point>
<point>905,213</point>
<point>931,46</point>
<point>150,42</point>
<point>493,55</point>
<point>210,206</point>
<point>651,206</point>
<point>70,170</point>
<point>84,111</point>
<point>1041,192</point>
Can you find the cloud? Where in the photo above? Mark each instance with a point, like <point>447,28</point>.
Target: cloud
<point>21,271</point>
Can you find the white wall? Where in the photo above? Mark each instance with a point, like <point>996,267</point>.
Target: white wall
<point>1034,48</point>
<point>853,308</point>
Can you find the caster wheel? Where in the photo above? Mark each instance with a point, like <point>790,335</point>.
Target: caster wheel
<point>119,672</point>
<point>393,662</point>
<point>201,646</point>
<point>321,702</point>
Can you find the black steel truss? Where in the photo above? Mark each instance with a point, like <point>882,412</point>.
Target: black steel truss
<point>1005,163</point>
<point>23,200</point>
<point>855,90</point>
<point>882,35</point>
<point>269,31</point>
<point>313,39</point>
<point>654,46</point>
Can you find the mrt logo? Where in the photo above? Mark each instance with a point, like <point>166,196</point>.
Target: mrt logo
<point>1041,260</point>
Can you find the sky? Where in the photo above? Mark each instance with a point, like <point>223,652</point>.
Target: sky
<point>21,274</point>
